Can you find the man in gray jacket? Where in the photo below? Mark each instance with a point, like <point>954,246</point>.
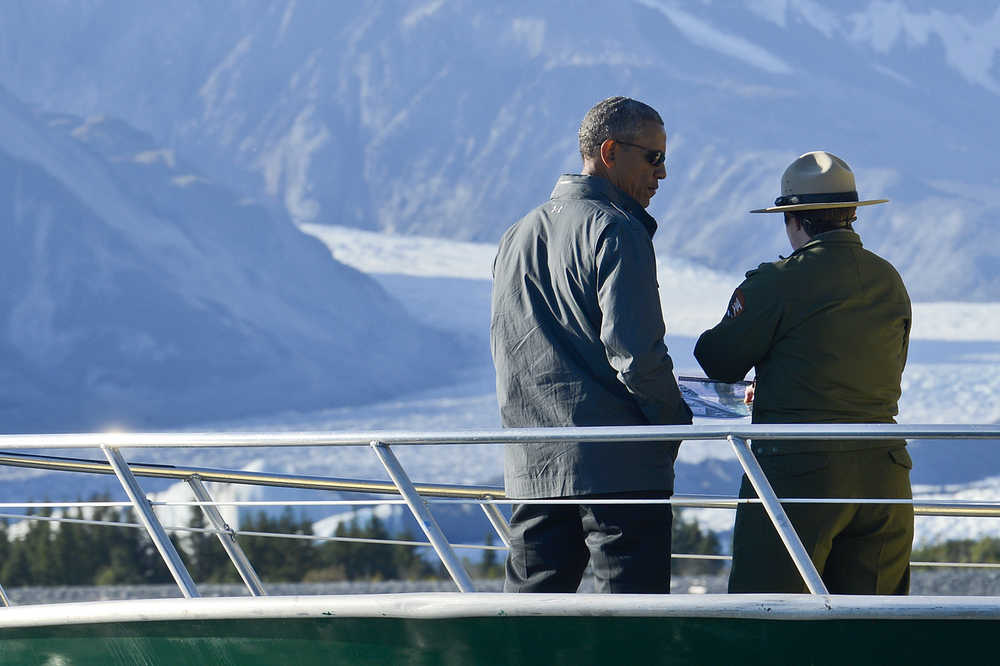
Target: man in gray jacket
<point>577,340</point>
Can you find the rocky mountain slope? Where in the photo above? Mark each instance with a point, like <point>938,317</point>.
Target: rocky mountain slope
<point>452,118</point>
<point>138,293</point>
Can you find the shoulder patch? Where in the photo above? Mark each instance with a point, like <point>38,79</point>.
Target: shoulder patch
<point>736,305</point>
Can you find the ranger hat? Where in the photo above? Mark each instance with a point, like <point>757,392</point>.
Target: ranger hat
<point>817,180</point>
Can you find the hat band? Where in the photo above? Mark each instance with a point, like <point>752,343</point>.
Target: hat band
<point>834,197</point>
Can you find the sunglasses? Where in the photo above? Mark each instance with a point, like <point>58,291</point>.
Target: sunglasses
<point>654,157</point>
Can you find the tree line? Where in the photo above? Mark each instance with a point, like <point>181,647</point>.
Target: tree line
<point>67,553</point>
<point>986,549</point>
<point>76,554</point>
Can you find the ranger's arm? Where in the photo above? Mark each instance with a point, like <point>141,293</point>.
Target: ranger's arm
<point>727,351</point>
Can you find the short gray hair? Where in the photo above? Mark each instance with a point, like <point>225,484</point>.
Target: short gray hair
<point>614,118</point>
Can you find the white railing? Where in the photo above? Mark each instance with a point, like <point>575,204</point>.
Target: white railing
<point>420,497</point>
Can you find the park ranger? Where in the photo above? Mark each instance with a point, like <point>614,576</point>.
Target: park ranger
<point>827,330</point>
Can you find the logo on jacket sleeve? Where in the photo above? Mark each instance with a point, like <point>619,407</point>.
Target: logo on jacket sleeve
<point>736,305</point>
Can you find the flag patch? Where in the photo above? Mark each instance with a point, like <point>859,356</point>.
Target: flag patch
<point>736,305</point>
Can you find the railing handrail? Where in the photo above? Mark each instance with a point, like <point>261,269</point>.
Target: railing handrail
<point>921,507</point>
<point>831,431</point>
<point>738,435</point>
<point>218,475</point>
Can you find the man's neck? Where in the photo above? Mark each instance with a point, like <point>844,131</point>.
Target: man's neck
<point>594,168</point>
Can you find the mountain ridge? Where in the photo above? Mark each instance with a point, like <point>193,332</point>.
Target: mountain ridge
<point>140,295</point>
<point>451,119</point>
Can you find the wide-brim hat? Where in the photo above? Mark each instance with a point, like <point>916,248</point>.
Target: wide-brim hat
<point>817,180</point>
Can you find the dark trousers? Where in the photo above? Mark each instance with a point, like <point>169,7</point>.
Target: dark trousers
<point>857,548</point>
<point>628,545</point>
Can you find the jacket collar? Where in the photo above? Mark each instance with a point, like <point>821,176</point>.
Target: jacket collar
<point>580,186</point>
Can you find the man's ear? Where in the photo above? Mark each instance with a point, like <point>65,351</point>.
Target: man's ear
<point>608,153</point>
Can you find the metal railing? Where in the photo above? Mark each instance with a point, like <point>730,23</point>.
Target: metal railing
<point>419,497</point>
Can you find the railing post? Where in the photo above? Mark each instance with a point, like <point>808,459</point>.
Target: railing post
<point>497,520</point>
<point>778,516</point>
<point>424,516</point>
<point>151,522</point>
<point>3,598</point>
<point>227,537</point>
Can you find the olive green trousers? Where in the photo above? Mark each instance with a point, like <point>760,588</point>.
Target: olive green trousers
<point>857,548</point>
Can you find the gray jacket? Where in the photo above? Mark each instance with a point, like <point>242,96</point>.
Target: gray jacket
<point>577,340</point>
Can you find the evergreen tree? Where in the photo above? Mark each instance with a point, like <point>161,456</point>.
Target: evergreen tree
<point>127,560</point>
<point>207,560</point>
<point>278,559</point>
<point>42,562</point>
<point>5,549</point>
<point>688,538</point>
<point>345,560</point>
<point>91,552</point>
<point>412,564</point>
<point>16,569</point>
<point>960,550</point>
<point>489,568</point>
<point>66,551</point>
<point>373,561</point>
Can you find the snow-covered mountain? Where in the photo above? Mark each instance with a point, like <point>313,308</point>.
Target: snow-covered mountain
<point>452,118</point>
<point>138,294</point>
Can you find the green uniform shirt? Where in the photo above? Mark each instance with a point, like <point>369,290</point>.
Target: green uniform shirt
<point>827,330</point>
